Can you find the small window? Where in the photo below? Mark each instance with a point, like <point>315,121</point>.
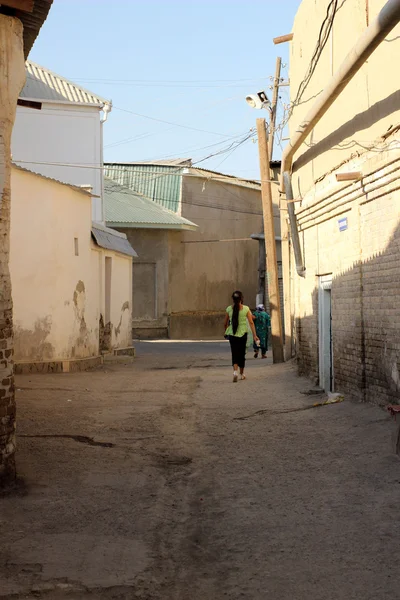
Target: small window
<point>76,246</point>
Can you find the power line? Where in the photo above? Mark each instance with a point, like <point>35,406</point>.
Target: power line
<point>323,36</point>
<point>171,85</point>
<point>151,134</point>
<point>216,176</point>
<point>170,122</point>
<point>235,145</point>
<point>189,149</point>
<point>165,81</point>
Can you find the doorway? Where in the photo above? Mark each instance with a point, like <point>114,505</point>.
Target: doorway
<point>105,323</point>
<point>107,286</point>
<point>144,291</point>
<point>326,380</point>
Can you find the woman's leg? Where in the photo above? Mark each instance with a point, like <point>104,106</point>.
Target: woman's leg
<point>242,354</point>
<point>234,350</point>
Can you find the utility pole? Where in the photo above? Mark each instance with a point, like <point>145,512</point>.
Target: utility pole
<point>270,244</point>
<point>273,106</point>
<point>261,259</point>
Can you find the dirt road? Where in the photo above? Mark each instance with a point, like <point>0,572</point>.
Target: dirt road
<point>158,478</point>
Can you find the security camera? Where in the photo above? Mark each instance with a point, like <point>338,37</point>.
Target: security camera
<point>259,100</point>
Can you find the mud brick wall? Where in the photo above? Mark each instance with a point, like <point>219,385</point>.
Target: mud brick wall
<point>12,77</point>
<point>381,298</point>
<point>7,400</point>
<point>347,333</point>
<point>364,261</point>
<point>307,342</point>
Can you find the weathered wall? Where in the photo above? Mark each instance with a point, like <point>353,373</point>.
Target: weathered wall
<point>364,258</point>
<point>12,77</point>
<point>367,107</point>
<point>59,298</point>
<point>64,134</point>
<point>364,262</point>
<point>150,300</point>
<point>204,273</point>
<point>55,293</point>
<point>121,300</point>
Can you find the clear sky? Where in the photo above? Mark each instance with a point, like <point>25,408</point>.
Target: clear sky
<point>188,63</point>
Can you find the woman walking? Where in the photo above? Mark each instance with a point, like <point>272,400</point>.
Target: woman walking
<point>262,322</point>
<point>236,319</point>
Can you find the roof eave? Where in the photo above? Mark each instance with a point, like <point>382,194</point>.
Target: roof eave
<point>175,227</point>
<point>64,102</point>
<point>229,179</point>
<point>76,188</point>
<point>32,21</point>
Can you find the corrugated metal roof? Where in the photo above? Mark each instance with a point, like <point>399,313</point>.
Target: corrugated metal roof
<point>32,21</point>
<point>125,208</point>
<point>174,162</point>
<point>42,84</point>
<point>112,240</point>
<point>200,172</point>
<point>160,183</point>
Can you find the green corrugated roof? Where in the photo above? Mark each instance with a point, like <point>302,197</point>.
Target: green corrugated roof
<point>125,208</point>
<point>160,183</point>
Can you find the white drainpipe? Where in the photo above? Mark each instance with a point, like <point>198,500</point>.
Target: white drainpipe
<point>106,109</point>
<point>386,20</point>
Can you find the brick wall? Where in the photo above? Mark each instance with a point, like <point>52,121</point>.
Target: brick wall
<point>364,261</point>
<point>12,77</point>
<point>7,399</point>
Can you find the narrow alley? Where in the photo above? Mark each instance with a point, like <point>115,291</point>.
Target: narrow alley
<point>158,478</point>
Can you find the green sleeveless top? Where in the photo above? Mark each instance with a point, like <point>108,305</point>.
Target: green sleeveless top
<point>242,327</point>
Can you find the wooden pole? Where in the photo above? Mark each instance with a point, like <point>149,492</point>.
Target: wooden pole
<point>261,259</point>
<point>270,244</point>
<point>283,38</point>
<point>273,107</point>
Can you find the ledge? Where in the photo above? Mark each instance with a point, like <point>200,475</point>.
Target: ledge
<point>57,366</point>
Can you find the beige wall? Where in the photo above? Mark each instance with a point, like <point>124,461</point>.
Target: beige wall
<point>12,76</point>
<point>365,109</point>
<point>363,260</point>
<point>152,247</point>
<point>204,274</point>
<point>58,296</point>
<point>194,281</point>
<point>121,300</point>
<point>365,267</point>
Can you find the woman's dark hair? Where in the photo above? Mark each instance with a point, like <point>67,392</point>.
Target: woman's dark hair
<point>237,298</point>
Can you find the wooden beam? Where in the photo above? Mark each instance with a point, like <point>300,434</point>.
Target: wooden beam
<point>23,5</point>
<point>352,176</point>
<point>283,38</point>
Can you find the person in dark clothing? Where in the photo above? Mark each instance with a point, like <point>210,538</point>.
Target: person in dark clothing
<point>262,322</point>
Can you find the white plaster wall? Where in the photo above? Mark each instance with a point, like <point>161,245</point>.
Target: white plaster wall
<point>64,134</point>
